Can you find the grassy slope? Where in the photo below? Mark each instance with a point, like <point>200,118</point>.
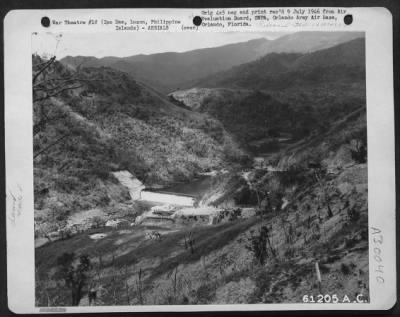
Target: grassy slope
<point>131,249</point>
<point>231,275</point>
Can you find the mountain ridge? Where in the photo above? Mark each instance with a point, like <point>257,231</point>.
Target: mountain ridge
<point>285,69</point>
<point>282,96</point>
<point>173,70</point>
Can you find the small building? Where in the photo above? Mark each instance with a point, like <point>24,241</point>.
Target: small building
<point>113,223</point>
<point>212,219</point>
<point>163,209</point>
<point>249,212</point>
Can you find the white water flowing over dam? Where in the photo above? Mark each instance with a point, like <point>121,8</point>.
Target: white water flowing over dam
<point>168,198</point>
<point>137,191</point>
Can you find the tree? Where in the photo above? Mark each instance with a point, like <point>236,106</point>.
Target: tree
<point>258,245</point>
<point>326,191</point>
<point>97,222</point>
<point>189,242</point>
<point>357,143</point>
<point>73,270</point>
<point>47,82</point>
<point>358,150</point>
<point>139,286</point>
<point>45,85</point>
<point>50,80</point>
<point>45,228</point>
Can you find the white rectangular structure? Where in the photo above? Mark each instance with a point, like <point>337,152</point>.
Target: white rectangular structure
<point>167,198</point>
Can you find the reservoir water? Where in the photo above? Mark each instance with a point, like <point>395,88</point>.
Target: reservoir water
<point>196,187</point>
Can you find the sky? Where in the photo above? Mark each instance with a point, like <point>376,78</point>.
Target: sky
<point>123,44</point>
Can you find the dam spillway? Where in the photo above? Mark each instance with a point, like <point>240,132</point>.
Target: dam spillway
<point>167,197</point>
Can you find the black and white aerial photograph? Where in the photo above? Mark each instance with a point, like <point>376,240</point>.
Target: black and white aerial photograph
<point>200,168</point>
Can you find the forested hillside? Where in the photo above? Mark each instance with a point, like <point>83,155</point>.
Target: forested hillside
<point>90,123</point>
<point>283,97</point>
<point>343,63</point>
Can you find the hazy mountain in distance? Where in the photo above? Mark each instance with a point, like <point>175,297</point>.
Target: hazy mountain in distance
<point>305,42</point>
<point>166,71</point>
<point>87,61</point>
<point>343,63</point>
<point>171,70</point>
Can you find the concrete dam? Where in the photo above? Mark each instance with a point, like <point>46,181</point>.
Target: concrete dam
<point>167,197</point>
<point>183,194</point>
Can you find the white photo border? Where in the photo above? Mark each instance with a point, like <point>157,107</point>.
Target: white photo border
<point>18,28</point>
